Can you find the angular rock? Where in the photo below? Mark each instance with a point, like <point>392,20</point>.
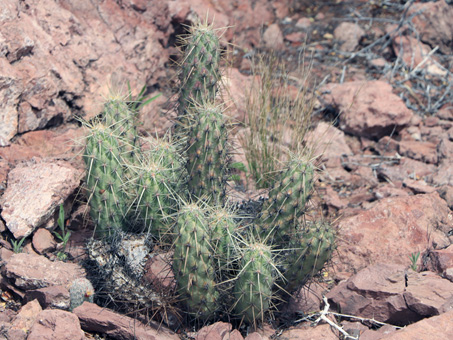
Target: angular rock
<point>393,294</point>
<point>29,272</point>
<point>43,241</point>
<point>436,327</point>
<point>56,325</point>
<point>393,229</point>
<point>446,192</point>
<point>350,35</point>
<point>24,320</point>
<point>158,271</point>
<point>216,331</point>
<point>305,332</point>
<point>402,168</point>
<point>420,151</point>
<point>102,320</point>
<point>328,141</point>
<point>55,58</point>
<point>50,297</point>
<point>34,192</point>
<point>434,24</point>
<point>368,109</point>
<point>273,37</point>
<point>443,174</point>
<point>418,187</point>
<point>438,260</point>
<point>64,143</point>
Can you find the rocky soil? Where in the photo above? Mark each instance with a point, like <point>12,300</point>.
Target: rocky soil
<point>383,71</point>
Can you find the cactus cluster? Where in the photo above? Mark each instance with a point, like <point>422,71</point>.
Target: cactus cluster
<point>173,190</point>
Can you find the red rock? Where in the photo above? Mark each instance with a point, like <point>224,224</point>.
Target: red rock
<point>273,37</point>
<point>392,294</point>
<point>305,332</point>
<point>58,56</point>
<point>446,112</point>
<point>420,151</point>
<point>350,34</point>
<point>443,174</point>
<point>378,334</point>
<point>158,272</point>
<point>43,241</point>
<point>446,192</point>
<point>436,327</point>
<point>303,23</point>
<point>34,271</point>
<point>438,260</point>
<point>388,190</point>
<point>102,320</point>
<point>392,230</point>
<point>369,109</point>
<point>235,83</point>
<point>434,24</point>
<point>34,192</point>
<point>24,320</point>
<point>413,53</point>
<point>327,142</point>
<point>418,187</point>
<point>216,331</point>
<point>56,325</point>
<point>398,169</point>
<point>50,297</point>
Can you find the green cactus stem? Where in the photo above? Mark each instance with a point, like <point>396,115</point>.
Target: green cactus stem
<point>199,77</point>
<point>311,248</point>
<point>207,153</point>
<point>287,200</point>
<point>193,264</point>
<point>105,179</point>
<point>254,283</point>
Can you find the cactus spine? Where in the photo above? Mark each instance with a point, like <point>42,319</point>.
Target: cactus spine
<point>193,264</point>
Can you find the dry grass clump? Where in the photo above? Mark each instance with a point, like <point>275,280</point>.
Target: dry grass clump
<point>278,114</point>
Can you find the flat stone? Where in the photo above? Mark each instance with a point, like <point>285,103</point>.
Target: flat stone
<point>56,325</point>
<point>102,320</point>
<point>43,241</point>
<point>369,108</point>
<point>28,271</point>
<point>393,294</point>
<point>436,327</point>
<point>34,192</point>
<point>50,297</point>
<point>24,320</point>
<point>393,229</point>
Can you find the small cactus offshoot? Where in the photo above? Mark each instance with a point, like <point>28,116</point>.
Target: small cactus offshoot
<point>81,290</point>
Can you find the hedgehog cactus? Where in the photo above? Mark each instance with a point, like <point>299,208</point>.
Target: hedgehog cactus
<point>287,201</point>
<point>200,74</point>
<point>81,290</point>
<point>193,264</point>
<point>310,249</point>
<point>104,180</point>
<point>159,180</point>
<point>207,154</point>
<point>253,286</point>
